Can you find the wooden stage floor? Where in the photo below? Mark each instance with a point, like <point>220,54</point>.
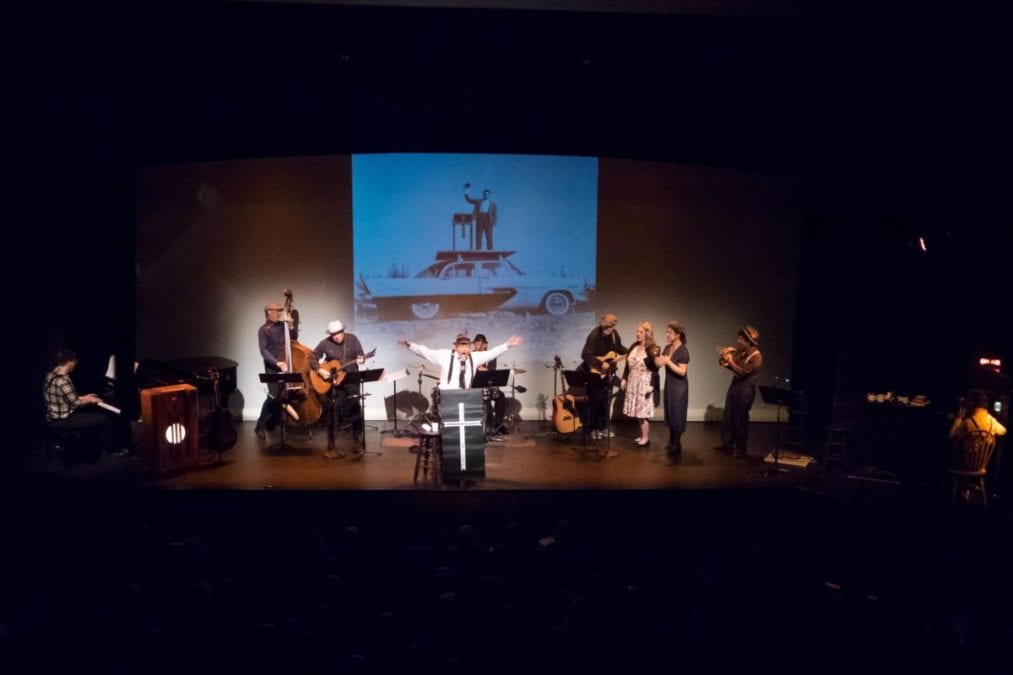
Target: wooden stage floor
<point>534,458</point>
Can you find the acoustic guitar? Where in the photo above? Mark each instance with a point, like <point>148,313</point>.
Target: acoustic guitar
<point>564,406</point>
<point>322,386</point>
<point>611,358</point>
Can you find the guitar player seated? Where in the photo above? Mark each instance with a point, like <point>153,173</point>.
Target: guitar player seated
<point>602,349</point>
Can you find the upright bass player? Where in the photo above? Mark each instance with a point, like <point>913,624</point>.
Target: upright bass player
<point>271,339</point>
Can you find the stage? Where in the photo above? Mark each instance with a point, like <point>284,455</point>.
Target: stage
<point>533,458</point>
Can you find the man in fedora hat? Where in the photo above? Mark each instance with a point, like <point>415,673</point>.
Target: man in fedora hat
<point>271,338</point>
<point>346,348</point>
<point>745,362</point>
<point>458,365</point>
<point>602,341</point>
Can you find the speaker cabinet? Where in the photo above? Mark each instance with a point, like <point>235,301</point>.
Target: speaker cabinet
<point>169,415</point>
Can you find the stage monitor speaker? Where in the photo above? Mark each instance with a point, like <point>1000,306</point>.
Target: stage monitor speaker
<point>169,415</point>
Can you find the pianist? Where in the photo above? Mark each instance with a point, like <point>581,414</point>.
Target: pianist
<point>66,410</point>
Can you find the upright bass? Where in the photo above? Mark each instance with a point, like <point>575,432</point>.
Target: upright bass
<point>299,400</point>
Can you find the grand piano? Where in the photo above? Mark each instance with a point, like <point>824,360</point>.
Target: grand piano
<point>198,371</point>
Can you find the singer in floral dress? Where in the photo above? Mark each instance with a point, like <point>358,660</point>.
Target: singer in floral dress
<point>640,382</point>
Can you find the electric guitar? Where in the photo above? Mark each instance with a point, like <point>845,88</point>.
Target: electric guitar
<point>321,385</point>
<point>564,407</point>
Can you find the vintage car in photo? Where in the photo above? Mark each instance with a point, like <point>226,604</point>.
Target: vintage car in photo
<point>470,281</point>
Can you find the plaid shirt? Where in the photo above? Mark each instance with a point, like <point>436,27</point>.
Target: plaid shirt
<point>61,396</point>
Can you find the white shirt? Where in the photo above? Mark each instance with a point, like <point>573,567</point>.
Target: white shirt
<point>447,358</point>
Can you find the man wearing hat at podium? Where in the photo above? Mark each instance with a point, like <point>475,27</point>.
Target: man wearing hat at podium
<point>345,348</point>
<point>745,362</point>
<point>271,338</point>
<point>458,365</point>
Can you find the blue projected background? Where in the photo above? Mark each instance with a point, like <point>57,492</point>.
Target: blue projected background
<point>403,207</point>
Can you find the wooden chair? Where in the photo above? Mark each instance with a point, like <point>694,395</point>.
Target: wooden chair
<point>969,460</point>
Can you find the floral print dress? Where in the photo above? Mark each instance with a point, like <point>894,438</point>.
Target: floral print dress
<point>639,400</point>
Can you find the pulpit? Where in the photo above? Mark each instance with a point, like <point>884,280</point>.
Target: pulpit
<point>462,419</point>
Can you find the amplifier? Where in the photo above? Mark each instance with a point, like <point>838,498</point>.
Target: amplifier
<point>169,415</point>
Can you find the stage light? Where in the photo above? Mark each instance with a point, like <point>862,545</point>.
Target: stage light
<point>990,362</point>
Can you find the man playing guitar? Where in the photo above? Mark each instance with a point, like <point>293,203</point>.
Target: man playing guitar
<point>336,354</point>
<point>602,349</point>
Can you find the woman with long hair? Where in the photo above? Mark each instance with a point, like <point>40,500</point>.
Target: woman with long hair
<point>640,382</point>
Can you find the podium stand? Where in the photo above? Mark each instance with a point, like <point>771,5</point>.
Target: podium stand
<point>170,416</point>
<point>281,379</point>
<point>360,377</point>
<point>463,434</point>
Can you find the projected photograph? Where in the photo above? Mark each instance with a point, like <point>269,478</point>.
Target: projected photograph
<point>441,236</point>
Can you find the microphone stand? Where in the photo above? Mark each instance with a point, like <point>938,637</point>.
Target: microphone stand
<point>397,434</point>
<point>332,395</point>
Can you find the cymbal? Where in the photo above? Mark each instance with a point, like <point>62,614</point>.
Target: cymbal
<point>519,371</point>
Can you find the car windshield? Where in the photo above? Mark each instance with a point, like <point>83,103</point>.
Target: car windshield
<point>431,271</point>
<point>459,270</point>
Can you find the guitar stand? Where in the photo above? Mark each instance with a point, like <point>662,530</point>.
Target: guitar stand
<point>556,367</point>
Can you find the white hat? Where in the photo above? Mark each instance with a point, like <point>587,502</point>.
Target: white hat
<point>334,327</point>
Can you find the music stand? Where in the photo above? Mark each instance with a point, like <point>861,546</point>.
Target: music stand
<point>579,378</point>
<point>487,379</point>
<point>779,397</point>
<point>393,378</point>
<point>360,377</point>
<point>332,401</point>
<point>282,379</point>
<point>490,378</point>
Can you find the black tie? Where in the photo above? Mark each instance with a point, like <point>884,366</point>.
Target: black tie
<point>461,381</point>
